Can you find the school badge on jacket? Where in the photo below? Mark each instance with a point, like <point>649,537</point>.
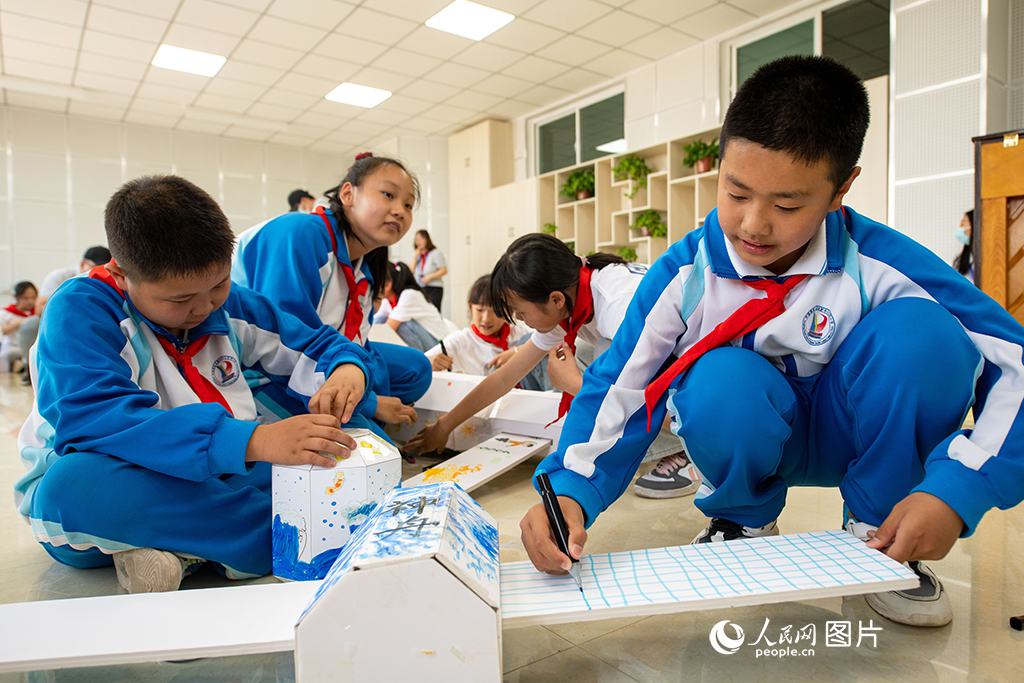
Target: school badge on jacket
<point>819,325</point>
<point>225,371</point>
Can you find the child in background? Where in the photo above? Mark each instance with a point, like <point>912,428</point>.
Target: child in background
<point>143,447</point>
<point>797,343</point>
<point>541,282</point>
<point>13,316</point>
<point>328,267</point>
<point>487,344</point>
<point>415,319</point>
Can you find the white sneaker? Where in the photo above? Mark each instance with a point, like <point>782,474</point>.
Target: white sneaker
<point>148,570</point>
<point>724,530</point>
<point>926,605</point>
<point>672,477</point>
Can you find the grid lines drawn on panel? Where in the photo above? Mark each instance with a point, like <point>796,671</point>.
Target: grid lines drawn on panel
<point>937,42</point>
<point>929,211</point>
<point>934,131</point>
<point>705,576</point>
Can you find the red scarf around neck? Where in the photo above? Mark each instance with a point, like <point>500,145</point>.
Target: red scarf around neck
<point>501,340</point>
<point>354,310</point>
<point>582,309</point>
<point>13,308</point>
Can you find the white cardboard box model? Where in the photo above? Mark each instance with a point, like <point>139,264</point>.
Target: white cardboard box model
<point>316,509</point>
<point>527,413</point>
<point>414,596</point>
<point>478,465</point>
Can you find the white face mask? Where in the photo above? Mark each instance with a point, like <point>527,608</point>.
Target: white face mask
<point>962,237</point>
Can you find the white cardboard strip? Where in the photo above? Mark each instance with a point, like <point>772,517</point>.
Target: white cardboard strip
<point>241,620</point>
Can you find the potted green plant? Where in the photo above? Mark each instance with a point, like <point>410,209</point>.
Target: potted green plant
<point>627,253</point>
<point>549,229</point>
<point>636,169</point>
<point>701,155</point>
<point>649,224</point>
<point>572,246</point>
<point>579,184</point>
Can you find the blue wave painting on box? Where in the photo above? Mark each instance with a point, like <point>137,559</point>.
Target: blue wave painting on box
<point>317,509</point>
<point>435,520</point>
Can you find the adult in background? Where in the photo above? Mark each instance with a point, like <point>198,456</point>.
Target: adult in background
<point>429,268</point>
<point>302,201</point>
<point>29,329</point>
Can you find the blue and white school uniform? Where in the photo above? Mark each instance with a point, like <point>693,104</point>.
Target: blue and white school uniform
<point>121,452</point>
<point>862,383</point>
<point>295,260</point>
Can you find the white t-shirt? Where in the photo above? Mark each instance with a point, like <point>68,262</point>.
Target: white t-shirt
<point>54,280</point>
<point>612,287</point>
<point>412,305</point>
<point>471,354</point>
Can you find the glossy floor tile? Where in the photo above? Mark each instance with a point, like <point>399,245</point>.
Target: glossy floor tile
<point>983,575</point>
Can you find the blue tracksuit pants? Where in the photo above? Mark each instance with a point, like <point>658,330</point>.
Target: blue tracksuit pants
<point>898,386</point>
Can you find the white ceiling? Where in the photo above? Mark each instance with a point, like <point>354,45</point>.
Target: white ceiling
<point>283,56</point>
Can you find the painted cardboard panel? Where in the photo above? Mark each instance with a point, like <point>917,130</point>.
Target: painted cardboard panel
<point>425,521</point>
<point>316,509</point>
<point>478,465</point>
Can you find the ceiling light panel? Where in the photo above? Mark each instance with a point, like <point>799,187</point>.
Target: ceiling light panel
<point>189,61</point>
<point>358,95</point>
<point>469,20</point>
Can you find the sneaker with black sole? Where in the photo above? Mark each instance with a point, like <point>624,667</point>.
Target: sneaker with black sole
<point>724,530</point>
<point>148,570</point>
<point>672,477</point>
<point>926,605</point>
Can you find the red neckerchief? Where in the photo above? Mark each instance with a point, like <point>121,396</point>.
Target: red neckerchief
<point>748,317</point>
<point>501,341</point>
<point>582,309</point>
<point>422,262</point>
<point>13,308</point>
<point>203,388</point>
<point>354,310</point>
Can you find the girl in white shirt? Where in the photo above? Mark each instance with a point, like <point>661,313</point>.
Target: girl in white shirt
<point>415,319</point>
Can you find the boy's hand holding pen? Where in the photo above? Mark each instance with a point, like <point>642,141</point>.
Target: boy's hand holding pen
<point>442,361</point>
<point>540,534</point>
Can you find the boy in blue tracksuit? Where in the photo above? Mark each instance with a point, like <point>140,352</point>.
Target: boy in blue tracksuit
<point>143,448</point>
<point>796,342</point>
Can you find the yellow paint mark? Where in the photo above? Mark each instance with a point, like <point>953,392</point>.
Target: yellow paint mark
<point>467,429</point>
<point>448,473</point>
<point>339,479</point>
<point>372,446</point>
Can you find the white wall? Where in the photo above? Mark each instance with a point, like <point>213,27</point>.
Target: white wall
<point>60,171</point>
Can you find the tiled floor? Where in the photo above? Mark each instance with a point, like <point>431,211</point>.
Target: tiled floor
<point>982,574</point>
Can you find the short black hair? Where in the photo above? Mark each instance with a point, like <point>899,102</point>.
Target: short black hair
<point>98,255</point>
<point>297,196</point>
<point>163,225</point>
<point>23,287</point>
<point>534,266</point>
<point>480,292</point>
<point>810,107</point>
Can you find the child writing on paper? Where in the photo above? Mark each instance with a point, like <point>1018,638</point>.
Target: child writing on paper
<point>143,447</point>
<point>415,319</point>
<point>328,267</point>
<point>797,343</point>
<point>542,283</point>
<point>487,343</point>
